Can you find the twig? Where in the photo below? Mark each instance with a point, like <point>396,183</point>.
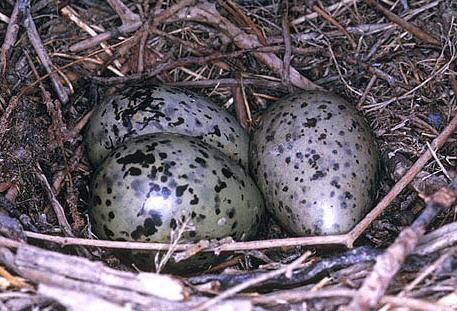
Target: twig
<point>4,18</point>
<point>128,25</point>
<point>300,276</point>
<point>246,107</point>
<point>322,12</point>
<point>11,34</point>
<point>376,71</point>
<point>244,20</point>
<point>453,82</point>
<point>126,15</point>
<point>54,109</point>
<point>80,274</point>
<point>70,13</point>
<point>389,263</point>
<point>437,160</point>
<point>34,38</point>
<point>214,247</point>
<point>14,281</point>
<point>241,106</point>
<point>9,243</point>
<point>365,93</point>
<point>72,165</point>
<point>332,7</point>
<point>76,130</point>
<point>139,77</point>
<point>58,209</point>
<point>191,251</point>
<point>414,30</point>
<point>338,69</point>
<point>266,276</point>
<point>228,82</point>
<point>56,130</point>
<point>391,28</point>
<point>98,39</point>
<point>194,48</point>
<point>206,12</point>
<point>437,143</point>
<point>407,94</point>
<point>297,295</point>
<point>441,238</point>
<point>176,236</point>
<point>171,11</point>
<point>432,242</point>
<point>425,273</point>
<point>4,186</point>
<point>414,304</point>
<point>160,67</point>
<point>144,34</point>
<point>226,264</point>
<point>363,29</point>
<point>285,76</point>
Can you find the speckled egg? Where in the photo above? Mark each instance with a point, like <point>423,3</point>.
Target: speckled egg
<point>134,111</point>
<point>316,162</point>
<point>150,185</point>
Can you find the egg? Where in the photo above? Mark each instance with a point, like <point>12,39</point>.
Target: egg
<point>316,162</point>
<point>140,110</point>
<point>152,184</point>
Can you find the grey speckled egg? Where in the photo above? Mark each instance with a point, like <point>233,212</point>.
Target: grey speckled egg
<point>316,162</point>
<point>152,183</point>
<point>135,111</point>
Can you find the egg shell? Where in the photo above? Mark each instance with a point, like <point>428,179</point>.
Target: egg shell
<point>148,186</point>
<point>316,162</point>
<point>140,110</point>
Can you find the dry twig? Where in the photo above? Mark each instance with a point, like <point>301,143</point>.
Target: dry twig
<point>437,143</point>
<point>238,288</point>
<point>298,295</point>
<point>241,107</point>
<point>389,263</point>
<point>207,13</point>
<point>285,76</point>
<point>414,30</point>
<point>126,15</point>
<point>322,12</point>
<point>58,209</point>
<point>35,40</point>
<point>11,34</point>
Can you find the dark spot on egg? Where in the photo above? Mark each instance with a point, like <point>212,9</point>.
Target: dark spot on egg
<point>200,161</point>
<point>180,190</point>
<point>227,172</point>
<point>311,122</point>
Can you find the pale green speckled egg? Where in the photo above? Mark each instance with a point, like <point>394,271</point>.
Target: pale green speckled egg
<point>149,185</point>
<point>140,110</point>
<point>316,162</point>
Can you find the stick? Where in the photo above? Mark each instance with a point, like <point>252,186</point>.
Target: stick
<point>411,28</point>
<point>11,34</point>
<point>263,277</point>
<point>437,143</point>
<point>35,39</point>
<point>389,263</point>
<point>207,13</point>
